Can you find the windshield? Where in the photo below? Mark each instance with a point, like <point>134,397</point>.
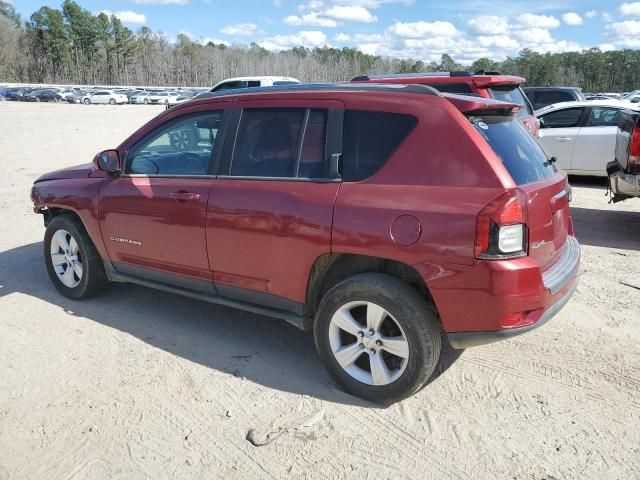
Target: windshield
<point>515,146</point>
<point>512,94</point>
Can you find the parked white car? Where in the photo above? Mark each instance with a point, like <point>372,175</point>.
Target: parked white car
<point>161,97</point>
<point>247,82</point>
<point>581,135</point>
<point>104,96</point>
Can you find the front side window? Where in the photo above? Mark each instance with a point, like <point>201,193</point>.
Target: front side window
<point>184,146</point>
<point>565,118</point>
<point>280,143</point>
<point>369,139</point>
<point>603,117</point>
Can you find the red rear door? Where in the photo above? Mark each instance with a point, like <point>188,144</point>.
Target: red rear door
<point>270,210</point>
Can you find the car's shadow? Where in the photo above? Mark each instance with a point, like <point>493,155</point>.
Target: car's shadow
<point>266,351</point>
<point>608,227</point>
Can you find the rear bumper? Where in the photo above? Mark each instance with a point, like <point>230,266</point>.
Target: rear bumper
<point>515,287</point>
<point>462,340</point>
<point>624,184</point>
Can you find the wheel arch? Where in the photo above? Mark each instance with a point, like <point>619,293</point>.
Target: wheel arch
<point>332,268</point>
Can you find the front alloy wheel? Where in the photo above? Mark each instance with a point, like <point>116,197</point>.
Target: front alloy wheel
<point>66,258</point>
<point>72,261</point>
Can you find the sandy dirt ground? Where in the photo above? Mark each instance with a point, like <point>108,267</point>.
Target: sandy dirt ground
<point>142,384</point>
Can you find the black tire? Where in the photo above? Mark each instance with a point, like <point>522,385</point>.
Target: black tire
<point>112,101</point>
<point>94,278</point>
<point>86,101</point>
<point>410,311</point>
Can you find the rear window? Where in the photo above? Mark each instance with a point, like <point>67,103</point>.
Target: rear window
<point>369,139</point>
<point>512,94</point>
<point>451,87</point>
<point>519,151</point>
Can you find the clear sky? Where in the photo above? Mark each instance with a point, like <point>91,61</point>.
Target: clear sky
<point>420,29</point>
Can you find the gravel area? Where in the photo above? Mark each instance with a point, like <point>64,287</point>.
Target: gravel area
<point>143,384</point>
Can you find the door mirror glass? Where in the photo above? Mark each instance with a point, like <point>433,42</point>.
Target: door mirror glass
<point>107,161</point>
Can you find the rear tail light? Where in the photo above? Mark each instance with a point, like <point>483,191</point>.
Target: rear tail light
<point>501,227</point>
<point>634,152</point>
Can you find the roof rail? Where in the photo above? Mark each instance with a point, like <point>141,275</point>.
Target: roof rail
<point>488,72</point>
<point>342,86</point>
<point>365,78</point>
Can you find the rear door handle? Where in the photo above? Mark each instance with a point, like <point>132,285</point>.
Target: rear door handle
<point>184,196</point>
<point>565,139</point>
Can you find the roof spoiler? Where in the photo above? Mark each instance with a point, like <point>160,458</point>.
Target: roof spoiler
<point>366,78</point>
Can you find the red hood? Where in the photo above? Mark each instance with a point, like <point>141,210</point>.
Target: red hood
<point>79,171</point>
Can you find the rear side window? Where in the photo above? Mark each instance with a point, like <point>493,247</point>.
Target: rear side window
<point>603,117</point>
<point>519,151</point>
<point>565,118</point>
<point>512,94</point>
<point>280,143</point>
<point>369,139</point>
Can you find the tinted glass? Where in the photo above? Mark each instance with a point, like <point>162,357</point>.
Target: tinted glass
<point>565,118</point>
<point>603,117</point>
<point>544,98</point>
<point>181,147</point>
<point>451,87</point>
<point>369,139</point>
<point>284,82</point>
<point>280,143</point>
<point>515,146</point>
<point>253,83</point>
<point>511,94</point>
<point>229,86</point>
<point>312,155</point>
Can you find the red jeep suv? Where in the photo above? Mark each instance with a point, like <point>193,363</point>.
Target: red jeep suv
<point>485,84</point>
<point>378,216</point>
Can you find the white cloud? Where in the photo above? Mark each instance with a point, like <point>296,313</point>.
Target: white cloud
<point>127,16</point>
<point>307,38</point>
<point>572,18</point>
<point>311,19</point>
<point>606,17</point>
<point>161,2</point>
<point>240,29</point>
<point>529,20</point>
<point>488,25</point>
<point>311,5</point>
<point>630,9</point>
<point>423,29</point>
<point>350,13</point>
<point>342,38</point>
<point>591,14</point>
<point>278,3</point>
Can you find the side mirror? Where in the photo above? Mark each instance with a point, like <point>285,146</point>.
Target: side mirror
<point>107,161</point>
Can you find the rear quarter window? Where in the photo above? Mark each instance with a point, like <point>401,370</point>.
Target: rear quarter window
<point>520,153</point>
<point>369,139</point>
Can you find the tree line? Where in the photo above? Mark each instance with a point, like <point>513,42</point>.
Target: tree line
<point>71,45</point>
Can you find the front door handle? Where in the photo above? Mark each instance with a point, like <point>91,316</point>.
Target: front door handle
<point>185,196</point>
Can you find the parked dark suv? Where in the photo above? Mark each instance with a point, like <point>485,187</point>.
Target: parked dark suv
<point>542,96</point>
<point>378,216</point>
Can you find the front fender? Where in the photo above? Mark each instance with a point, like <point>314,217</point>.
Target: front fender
<point>77,195</point>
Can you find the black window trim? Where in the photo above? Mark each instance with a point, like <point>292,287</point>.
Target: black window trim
<point>331,144</point>
<point>214,159</point>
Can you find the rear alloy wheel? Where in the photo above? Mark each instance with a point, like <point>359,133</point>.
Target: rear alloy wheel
<point>378,337</point>
<point>73,264</point>
<point>112,101</point>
